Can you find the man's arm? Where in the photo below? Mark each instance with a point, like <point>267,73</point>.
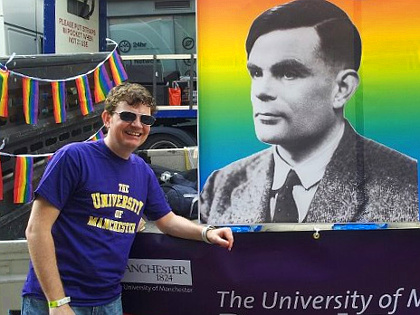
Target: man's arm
<point>42,252</point>
<point>178,226</point>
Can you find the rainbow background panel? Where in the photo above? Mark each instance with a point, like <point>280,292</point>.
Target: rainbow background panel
<point>385,108</point>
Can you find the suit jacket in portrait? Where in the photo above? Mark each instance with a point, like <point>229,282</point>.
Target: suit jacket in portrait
<point>364,182</point>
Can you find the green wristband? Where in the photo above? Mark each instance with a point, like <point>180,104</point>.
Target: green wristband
<point>57,303</point>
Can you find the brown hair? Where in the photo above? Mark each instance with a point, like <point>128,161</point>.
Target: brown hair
<point>132,93</point>
<point>340,41</point>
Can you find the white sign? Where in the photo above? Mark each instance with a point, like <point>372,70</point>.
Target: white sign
<point>158,271</point>
<point>74,33</point>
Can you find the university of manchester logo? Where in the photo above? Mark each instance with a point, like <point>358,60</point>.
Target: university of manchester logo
<point>158,271</point>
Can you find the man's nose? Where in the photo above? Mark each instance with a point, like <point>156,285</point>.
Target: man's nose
<point>264,97</point>
<point>137,122</point>
<point>263,89</point>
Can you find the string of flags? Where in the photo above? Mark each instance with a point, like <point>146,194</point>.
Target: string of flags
<point>23,174</point>
<point>30,88</point>
<point>24,163</point>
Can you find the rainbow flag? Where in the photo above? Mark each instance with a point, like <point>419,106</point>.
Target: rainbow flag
<point>117,69</point>
<point>102,83</point>
<point>85,97</point>
<point>4,93</point>
<point>30,100</point>
<point>59,100</point>
<point>1,183</point>
<point>99,135</point>
<point>23,179</point>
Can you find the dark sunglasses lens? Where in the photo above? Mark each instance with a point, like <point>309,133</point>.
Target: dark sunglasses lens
<point>147,120</point>
<point>128,116</point>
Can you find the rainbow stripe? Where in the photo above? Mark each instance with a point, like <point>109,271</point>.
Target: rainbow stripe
<point>99,135</point>
<point>1,183</point>
<point>102,83</point>
<point>30,100</point>
<point>117,69</point>
<point>59,100</point>
<point>23,179</point>
<point>4,93</point>
<point>385,107</point>
<point>85,97</point>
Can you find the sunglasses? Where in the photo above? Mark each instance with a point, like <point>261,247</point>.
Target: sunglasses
<point>130,117</point>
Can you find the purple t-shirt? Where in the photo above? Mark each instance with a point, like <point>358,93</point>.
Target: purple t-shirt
<point>101,198</point>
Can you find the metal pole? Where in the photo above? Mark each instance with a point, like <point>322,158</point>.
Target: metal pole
<point>154,78</point>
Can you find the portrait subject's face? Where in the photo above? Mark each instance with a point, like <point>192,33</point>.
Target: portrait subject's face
<point>292,88</point>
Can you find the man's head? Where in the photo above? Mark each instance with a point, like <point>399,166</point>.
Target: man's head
<point>127,116</point>
<point>302,72</point>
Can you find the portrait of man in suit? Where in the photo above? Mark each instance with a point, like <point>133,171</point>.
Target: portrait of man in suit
<point>303,59</point>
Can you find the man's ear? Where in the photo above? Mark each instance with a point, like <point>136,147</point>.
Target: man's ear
<point>347,82</point>
<point>106,118</point>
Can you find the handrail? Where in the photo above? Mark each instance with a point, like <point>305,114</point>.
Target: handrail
<point>159,56</point>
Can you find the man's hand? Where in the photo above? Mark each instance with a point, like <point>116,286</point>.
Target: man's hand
<point>222,237</point>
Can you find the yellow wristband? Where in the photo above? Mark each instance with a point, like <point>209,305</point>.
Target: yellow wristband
<point>57,303</point>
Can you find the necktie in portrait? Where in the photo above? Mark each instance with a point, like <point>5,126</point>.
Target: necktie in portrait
<point>285,207</point>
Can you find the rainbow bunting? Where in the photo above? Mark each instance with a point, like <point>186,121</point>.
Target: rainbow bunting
<point>99,135</point>
<point>23,179</point>
<point>30,100</point>
<point>102,84</point>
<point>4,92</point>
<point>117,69</point>
<point>59,100</point>
<point>1,183</point>
<point>85,98</point>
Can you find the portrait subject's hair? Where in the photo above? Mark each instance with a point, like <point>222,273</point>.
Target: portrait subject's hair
<point>132,93</point>
<point>340,42</point>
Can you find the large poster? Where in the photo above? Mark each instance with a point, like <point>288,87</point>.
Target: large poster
<point>309,106</point>
<point>341,273</point>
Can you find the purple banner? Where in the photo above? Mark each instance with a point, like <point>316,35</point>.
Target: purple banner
<point>341,273</point>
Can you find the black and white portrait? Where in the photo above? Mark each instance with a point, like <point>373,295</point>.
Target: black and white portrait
<point>303,59</point>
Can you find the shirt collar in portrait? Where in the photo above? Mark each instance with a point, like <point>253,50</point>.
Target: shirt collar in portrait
<point>311,170</point>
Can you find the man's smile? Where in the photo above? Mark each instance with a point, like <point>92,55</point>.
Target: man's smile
<point>133,133</point>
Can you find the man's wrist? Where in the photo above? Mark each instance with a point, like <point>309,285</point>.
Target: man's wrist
<point>57,303</point>
<point>204,232</point>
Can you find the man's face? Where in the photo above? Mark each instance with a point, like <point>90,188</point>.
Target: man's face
<point>125,137</point>
<point>292,88</point>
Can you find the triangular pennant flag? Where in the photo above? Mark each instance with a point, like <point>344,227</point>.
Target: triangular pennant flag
<point>85,97</point>
<point>30,100</point>
<point>102,83</point>
<point>23,179</point>
<point>99,135</point>
<point>4,93</point>
<point>1,183</point>
<point>59,100</point>
<point>117,69</point>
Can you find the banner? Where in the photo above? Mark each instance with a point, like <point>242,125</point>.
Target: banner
<point>271,99</point>
<point>340,273</point>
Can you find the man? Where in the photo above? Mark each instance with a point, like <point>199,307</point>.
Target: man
<point>87,209</point>
<point>303,59</point>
